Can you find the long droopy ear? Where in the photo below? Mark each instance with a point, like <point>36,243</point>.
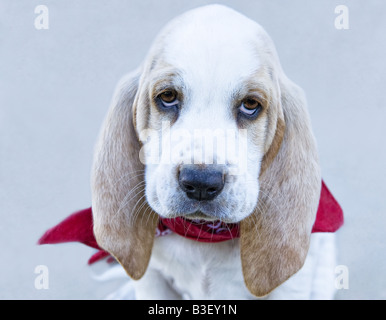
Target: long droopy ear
<point>275,238</point>
<point>124,224</point>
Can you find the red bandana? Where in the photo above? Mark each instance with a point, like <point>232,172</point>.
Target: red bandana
<point>78,227</point>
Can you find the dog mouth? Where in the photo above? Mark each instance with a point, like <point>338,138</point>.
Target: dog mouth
<point>204,217</point>
<point>199,216</point>
<point>175,205</point>
<point>196,216</point>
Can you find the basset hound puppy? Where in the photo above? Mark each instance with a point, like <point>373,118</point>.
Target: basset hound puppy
<point>210,133</point>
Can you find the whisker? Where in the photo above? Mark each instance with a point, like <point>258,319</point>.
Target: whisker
<point>131,177</point>
<point>255,219</point>
<point>145,213</point>
<point>186,229</point>
<point>199,233</point>
<point>139,172</point>
<point>265,194</point>
<point>136,212</point>
<point>152,213</point>
<point>229,230</point>
<point>129,196</point>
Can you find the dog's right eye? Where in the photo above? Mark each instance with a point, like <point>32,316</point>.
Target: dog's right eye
<point>168,99</point>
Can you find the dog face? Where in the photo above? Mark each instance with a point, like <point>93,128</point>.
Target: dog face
<point>203,125</point>
<point>209,127</point>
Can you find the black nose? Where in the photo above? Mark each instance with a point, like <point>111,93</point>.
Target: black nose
<point>201,183</point>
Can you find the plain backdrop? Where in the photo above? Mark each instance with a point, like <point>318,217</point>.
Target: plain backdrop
<point>56,85</point>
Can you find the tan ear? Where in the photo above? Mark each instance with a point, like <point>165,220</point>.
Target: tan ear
<point>124,224</point>
<point>275,238</point>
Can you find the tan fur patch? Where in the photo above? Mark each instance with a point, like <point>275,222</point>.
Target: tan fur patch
<point>275,238</point>
<point>124,224</point>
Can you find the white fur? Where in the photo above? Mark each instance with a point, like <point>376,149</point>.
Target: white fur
<point>217,39</point>
<point>210,58</point>
<point>184,269</point>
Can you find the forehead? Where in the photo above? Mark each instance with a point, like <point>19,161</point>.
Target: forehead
<point>212,46</point>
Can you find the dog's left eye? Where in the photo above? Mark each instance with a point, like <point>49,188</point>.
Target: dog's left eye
<point>169,99</point>
<point>250,107</point>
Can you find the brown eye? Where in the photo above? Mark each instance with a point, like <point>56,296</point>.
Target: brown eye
<point>250,107</point>
<point>251,104</point>
<point>169,98</point>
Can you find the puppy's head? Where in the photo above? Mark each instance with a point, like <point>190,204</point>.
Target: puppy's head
<point>209,127</point>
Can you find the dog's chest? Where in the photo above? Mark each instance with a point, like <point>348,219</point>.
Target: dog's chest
<point>199,270</point>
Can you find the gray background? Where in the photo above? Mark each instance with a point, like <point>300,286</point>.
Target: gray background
<point>56,84</point>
